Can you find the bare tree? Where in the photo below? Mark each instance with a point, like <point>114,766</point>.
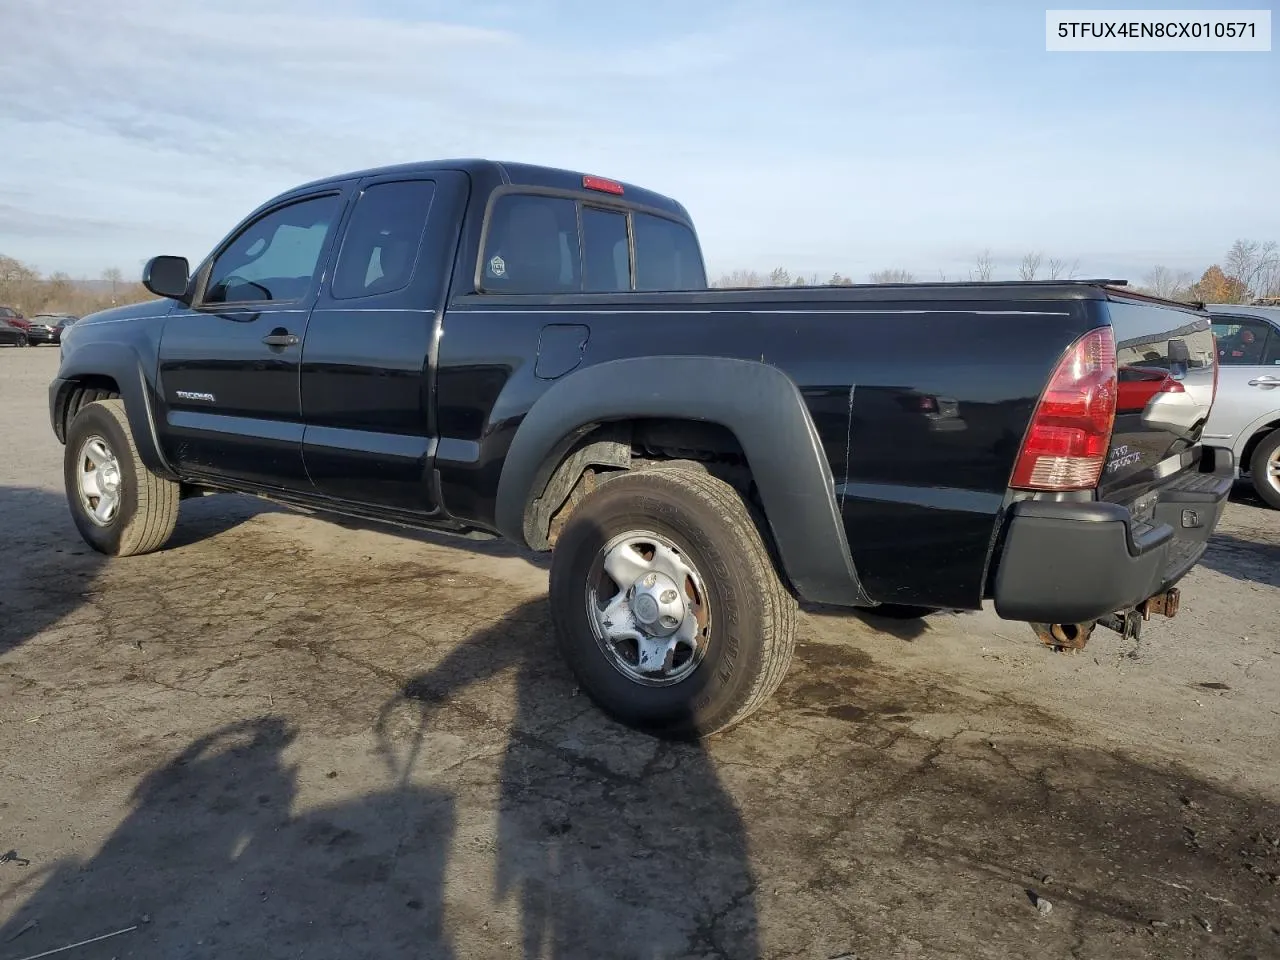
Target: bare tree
<point>1169,284</point>
<point>112,276</point>
<point>1030,266</point>
<point>780,277</point>
<point>893,276</point>
<point>1255,264</point>
<point>982,267</point>
<point>1060,269</point>
<point>740,278</point>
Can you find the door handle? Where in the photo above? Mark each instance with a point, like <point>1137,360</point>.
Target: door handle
<point>281,339</point>
<point>1265,382</point>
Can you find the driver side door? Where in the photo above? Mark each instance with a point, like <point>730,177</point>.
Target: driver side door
<point>229,365</point>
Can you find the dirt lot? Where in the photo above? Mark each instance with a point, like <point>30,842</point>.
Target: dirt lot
<point>287,737</point>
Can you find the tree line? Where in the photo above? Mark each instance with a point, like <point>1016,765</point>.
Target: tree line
<point>26,289</point>
<point>1250,271</point>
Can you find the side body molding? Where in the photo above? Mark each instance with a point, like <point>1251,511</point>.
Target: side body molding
<point>122,364</point>
<point>761,406</point>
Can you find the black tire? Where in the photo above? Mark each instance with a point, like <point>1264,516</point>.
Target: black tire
<point>23,341</point>
<point>752,614</point>
<point>1259,470</point>
<point>148,504</point>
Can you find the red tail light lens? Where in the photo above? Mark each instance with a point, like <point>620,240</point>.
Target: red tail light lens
<point>603,185</point>
<point>1070,433</point>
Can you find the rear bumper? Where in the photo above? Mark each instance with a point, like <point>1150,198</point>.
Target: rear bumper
<point>1067,562</point>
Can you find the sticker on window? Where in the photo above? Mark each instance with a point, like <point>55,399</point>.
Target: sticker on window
<point>497,266</point>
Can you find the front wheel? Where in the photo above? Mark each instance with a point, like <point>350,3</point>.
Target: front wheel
<point>23,341</point>
<point>1264,469</point>
<point>119,506</point>
<point>667,605</point>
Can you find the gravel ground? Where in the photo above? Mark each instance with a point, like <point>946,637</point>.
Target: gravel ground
<point>285,736</point>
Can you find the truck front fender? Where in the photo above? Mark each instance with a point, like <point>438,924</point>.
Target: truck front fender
<point>758,403</point>
<point>120,363</point>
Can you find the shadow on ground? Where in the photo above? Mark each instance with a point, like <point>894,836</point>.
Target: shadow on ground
<point>607,845</point>
<point>1243,492</point>
<point>48,571</point>
<point>429,783</point>
<point>1247,560</point>
<point>906,623</point>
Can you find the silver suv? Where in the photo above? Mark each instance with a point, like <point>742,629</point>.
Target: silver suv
<point>1246,411</point>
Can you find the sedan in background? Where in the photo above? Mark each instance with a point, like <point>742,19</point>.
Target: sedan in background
<point>1246,411</point>
<point>11,334</point>
<point>48,327</point>
<point>14,318</point>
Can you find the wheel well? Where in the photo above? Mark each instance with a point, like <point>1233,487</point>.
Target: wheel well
<point>1258,436</point>
<point>612,448</point>
<point>83,390</point>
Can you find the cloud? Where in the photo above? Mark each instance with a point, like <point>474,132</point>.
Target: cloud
<point>820,136</point>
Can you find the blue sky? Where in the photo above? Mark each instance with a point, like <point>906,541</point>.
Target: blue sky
<point>819,135</point>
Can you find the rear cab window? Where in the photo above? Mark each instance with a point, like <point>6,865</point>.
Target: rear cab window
<point>667,255</point>
<point>532,246</point>
<point>540,244</point>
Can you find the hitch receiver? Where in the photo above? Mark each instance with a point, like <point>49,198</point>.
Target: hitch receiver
<point>1165,604</point>
<point>1127,623</point>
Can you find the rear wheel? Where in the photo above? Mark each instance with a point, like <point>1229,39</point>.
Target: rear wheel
<point>667,605</point>
<point>1264,469</point>
<point>23,341</point>
<point>119,506</point>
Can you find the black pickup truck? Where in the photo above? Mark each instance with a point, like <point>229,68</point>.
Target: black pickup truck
<point>506,350</point>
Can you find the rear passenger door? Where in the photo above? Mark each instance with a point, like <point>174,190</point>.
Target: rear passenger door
<point>368,360</point>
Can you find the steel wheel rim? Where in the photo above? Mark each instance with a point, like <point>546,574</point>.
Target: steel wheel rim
<point>98,481</point>
<point>650,637</point>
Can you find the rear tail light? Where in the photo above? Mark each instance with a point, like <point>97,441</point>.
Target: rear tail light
<point>1070,433</point>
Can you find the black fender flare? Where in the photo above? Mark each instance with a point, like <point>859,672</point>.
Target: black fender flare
<point>121,363</point>
<point>757,402</point>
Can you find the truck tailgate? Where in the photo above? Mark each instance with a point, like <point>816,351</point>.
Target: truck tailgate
<point>1167,366</point>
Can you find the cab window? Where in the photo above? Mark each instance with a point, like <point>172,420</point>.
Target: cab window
<point>381,243</point>
<point>532,246</point>
<point>277,257</point>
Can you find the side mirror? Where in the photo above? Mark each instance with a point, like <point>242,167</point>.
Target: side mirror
<point>167,277</point>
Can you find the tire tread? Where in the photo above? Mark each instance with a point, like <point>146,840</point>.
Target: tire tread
<point>779,611</point>
<point>156,511</point>
<point>1258,466</point>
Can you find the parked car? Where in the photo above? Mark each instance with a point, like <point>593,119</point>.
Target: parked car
<point>502,350</point>
<point>1247,412</point>
<point>14,317</point>
<point>11,334</point>
<point>48,327</point>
